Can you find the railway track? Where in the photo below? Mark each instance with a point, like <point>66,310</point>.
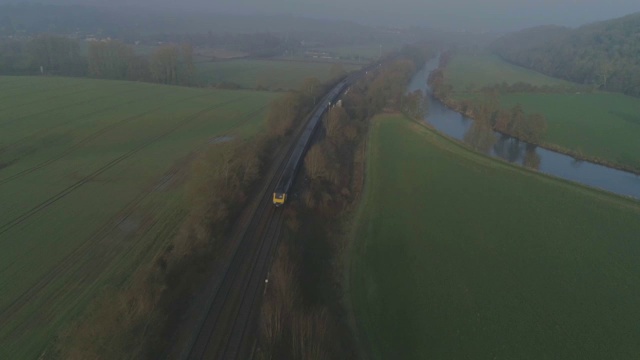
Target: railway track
<point>227,330</point>
<point>223,329</point>
<point>221,332</point>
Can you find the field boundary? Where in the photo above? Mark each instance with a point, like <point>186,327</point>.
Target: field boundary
<point>529,171</point>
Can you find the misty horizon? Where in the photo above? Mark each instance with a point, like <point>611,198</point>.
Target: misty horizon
<point>457,15</point>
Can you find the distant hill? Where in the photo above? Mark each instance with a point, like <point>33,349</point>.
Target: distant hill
<point>130,22</point>
<point>605,54</point>
<point>30,18</point>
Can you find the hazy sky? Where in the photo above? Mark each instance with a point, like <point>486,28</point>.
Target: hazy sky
<point>450,14</point>
<point>459,14</point>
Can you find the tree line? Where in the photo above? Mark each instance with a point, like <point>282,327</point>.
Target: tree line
<point>42,54</point>
<point>487,111</point>
<point>513,122</point>
<point>253,44</point>
<point>110,59</point>
<point>603,55</point>
<point>329,162</point>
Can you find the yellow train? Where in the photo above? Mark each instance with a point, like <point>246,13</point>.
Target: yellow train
<point>279,198</point>
<point>286,180</point>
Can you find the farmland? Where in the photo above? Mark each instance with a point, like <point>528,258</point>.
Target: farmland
<point>266,74</point>
<point>597,125</point>
<point>602,125</point>
<point>90,182</point>
<point>478,70</point>
<point>457,255</point>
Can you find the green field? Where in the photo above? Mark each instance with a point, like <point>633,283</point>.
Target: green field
<point>460,256</point>
<point>90,188</point>
<point>598,125</point>
<point>479,70</point>
<point>268,74</point>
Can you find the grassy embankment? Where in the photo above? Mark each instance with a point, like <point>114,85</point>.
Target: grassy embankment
<point>265,74</point>
<point>599,126</point>
<point>457,255</point>
<point>86,168</point>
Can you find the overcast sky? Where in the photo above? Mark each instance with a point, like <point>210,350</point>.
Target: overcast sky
<point>450,14</point>
<point>458,14</point>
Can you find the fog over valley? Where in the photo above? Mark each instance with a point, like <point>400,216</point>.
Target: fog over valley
<point>459,15</point>
<point>319,179</point>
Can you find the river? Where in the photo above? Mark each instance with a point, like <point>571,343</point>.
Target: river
<point>512,150</point>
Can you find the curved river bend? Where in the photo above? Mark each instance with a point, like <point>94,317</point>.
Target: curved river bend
<point>560,165</point>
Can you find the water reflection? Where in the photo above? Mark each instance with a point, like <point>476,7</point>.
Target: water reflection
<point>509,149</point>
<point>480,137</point>
<point>531,158</point>
<point>485,140</point>
<point>576,163</point>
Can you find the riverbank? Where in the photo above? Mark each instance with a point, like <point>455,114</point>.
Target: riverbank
<point>585,124</point>
<point>457,106</point>
<point>456,255</point>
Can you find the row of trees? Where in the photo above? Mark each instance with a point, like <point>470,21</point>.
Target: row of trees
<point>329,162</point>
<point>41,54</point>
<point>169,64</point>
<point>488,113</point>
<point>481,137</point>
<point>514,122</point>
<point>604,55</point>
<point>253,44</point>
<point>414,105</point>
<point>439,87</point>
<point>57,55</point>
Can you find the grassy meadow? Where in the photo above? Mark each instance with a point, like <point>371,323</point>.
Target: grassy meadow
<point>91,176</point>
<point>268,74</point>
<point>598,125</point>
<point>460,256</point>
<point>474,71</point>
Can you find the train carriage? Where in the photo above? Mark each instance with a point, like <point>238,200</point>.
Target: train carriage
<point>286,181</point>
